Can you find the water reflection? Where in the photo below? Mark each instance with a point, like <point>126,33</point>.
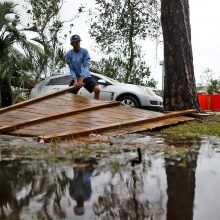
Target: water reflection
<point>157,189</point>
<point>181,184</point>
<point>80,187</point>
<point>207,190</point>
<point>36,186</point>
<point>180,172</point>
<point>135,193</point>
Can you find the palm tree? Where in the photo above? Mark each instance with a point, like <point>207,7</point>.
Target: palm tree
<point>14,64</point>
<point>9,35</point>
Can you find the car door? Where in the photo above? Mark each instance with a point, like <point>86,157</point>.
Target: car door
<point>106,92</point>
<point>55,84</point>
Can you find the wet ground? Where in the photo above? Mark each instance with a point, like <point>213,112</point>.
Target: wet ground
<point>174,178</point>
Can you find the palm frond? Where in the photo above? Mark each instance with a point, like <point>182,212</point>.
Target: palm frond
<point>6,8</point>
<point>4,70</point>
<point>32,28</point>
<point>36,39</point>
<point>33,47</point>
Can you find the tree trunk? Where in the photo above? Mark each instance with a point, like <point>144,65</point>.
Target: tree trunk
<point>6,93</point>
<point>131,44</point>
<point>179,81</point>
<point>180,191</point>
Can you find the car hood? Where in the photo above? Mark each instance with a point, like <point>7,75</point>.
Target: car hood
<point>148,90</point>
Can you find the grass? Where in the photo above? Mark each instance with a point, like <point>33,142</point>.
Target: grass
<point>208,126</point>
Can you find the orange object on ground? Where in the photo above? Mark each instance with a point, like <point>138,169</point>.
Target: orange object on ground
<point>209,102</point>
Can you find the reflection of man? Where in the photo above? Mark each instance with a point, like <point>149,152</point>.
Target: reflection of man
<point>80,187</point>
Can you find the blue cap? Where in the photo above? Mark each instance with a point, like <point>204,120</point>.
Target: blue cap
<point>75,37</point>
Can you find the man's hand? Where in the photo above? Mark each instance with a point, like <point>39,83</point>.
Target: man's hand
<point>80,82</point>
<point>75,84</point>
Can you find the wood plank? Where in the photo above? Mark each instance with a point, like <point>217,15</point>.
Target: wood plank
<point>35,132</point>
<point>146,126</point>
<point>47,107</point>
<point>132,111</point>
<point>68,134</point>
<point>103,136</point>
<point>92,120</point>
<point>34,100</point>
<point>14,126</point>
<point>55,126</point>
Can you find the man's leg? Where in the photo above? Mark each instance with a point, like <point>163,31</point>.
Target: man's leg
<point>96,91</point>
<point>92,86</point>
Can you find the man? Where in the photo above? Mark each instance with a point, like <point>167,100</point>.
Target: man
<point>78,61</point>
<point>80,186</point>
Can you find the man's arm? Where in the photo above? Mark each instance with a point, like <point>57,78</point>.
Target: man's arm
<point>70,64</point>
<point>85,64</point>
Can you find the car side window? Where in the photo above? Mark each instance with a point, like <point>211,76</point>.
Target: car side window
<point>64,80</point>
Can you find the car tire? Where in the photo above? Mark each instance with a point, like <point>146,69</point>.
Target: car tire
<point>129,101</point>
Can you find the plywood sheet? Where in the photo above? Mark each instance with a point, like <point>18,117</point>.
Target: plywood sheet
<point>64,115</point>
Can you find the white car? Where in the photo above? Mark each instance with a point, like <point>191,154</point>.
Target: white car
<point>129,95</point>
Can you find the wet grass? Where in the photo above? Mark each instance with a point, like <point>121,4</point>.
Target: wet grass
<point>180,157</point>
<point>209,126</point>
<point>12,147</point>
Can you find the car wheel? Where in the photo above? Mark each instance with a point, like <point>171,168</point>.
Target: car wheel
<point>129,101</point>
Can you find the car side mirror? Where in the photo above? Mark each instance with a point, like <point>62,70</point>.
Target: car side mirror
<point>103,82</point>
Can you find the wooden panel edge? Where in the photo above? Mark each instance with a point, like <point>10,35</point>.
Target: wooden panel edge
<point>34,100</point>
<point>130,130</point>
<point>70,134</point>
<point>15,126</point>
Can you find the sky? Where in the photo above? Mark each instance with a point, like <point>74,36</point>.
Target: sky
<point>204,18</point>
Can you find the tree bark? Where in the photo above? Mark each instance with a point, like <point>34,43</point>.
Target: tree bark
<point>180,191</point>
<point>179,80</point>
<point>6,93</point>
<point>131,44</point>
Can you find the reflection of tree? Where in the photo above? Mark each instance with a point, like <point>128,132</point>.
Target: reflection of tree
<point>182,142</point>
<point>39,181</point>
<point>181,183</point>
<point>121,196</point>
<point>109,201</point>
<point>133,208</point>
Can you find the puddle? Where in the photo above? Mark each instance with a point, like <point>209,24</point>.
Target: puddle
<point>177,179</point>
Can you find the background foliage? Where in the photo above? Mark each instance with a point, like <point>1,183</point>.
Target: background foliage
<point>118,28</point>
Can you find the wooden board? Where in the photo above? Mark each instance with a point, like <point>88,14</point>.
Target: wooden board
<point>149,126</point>
<point>34,100</point>
<point>51,106</point>
<point>115,125</point>
<point>63,115</point>
<point>32,119</point>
